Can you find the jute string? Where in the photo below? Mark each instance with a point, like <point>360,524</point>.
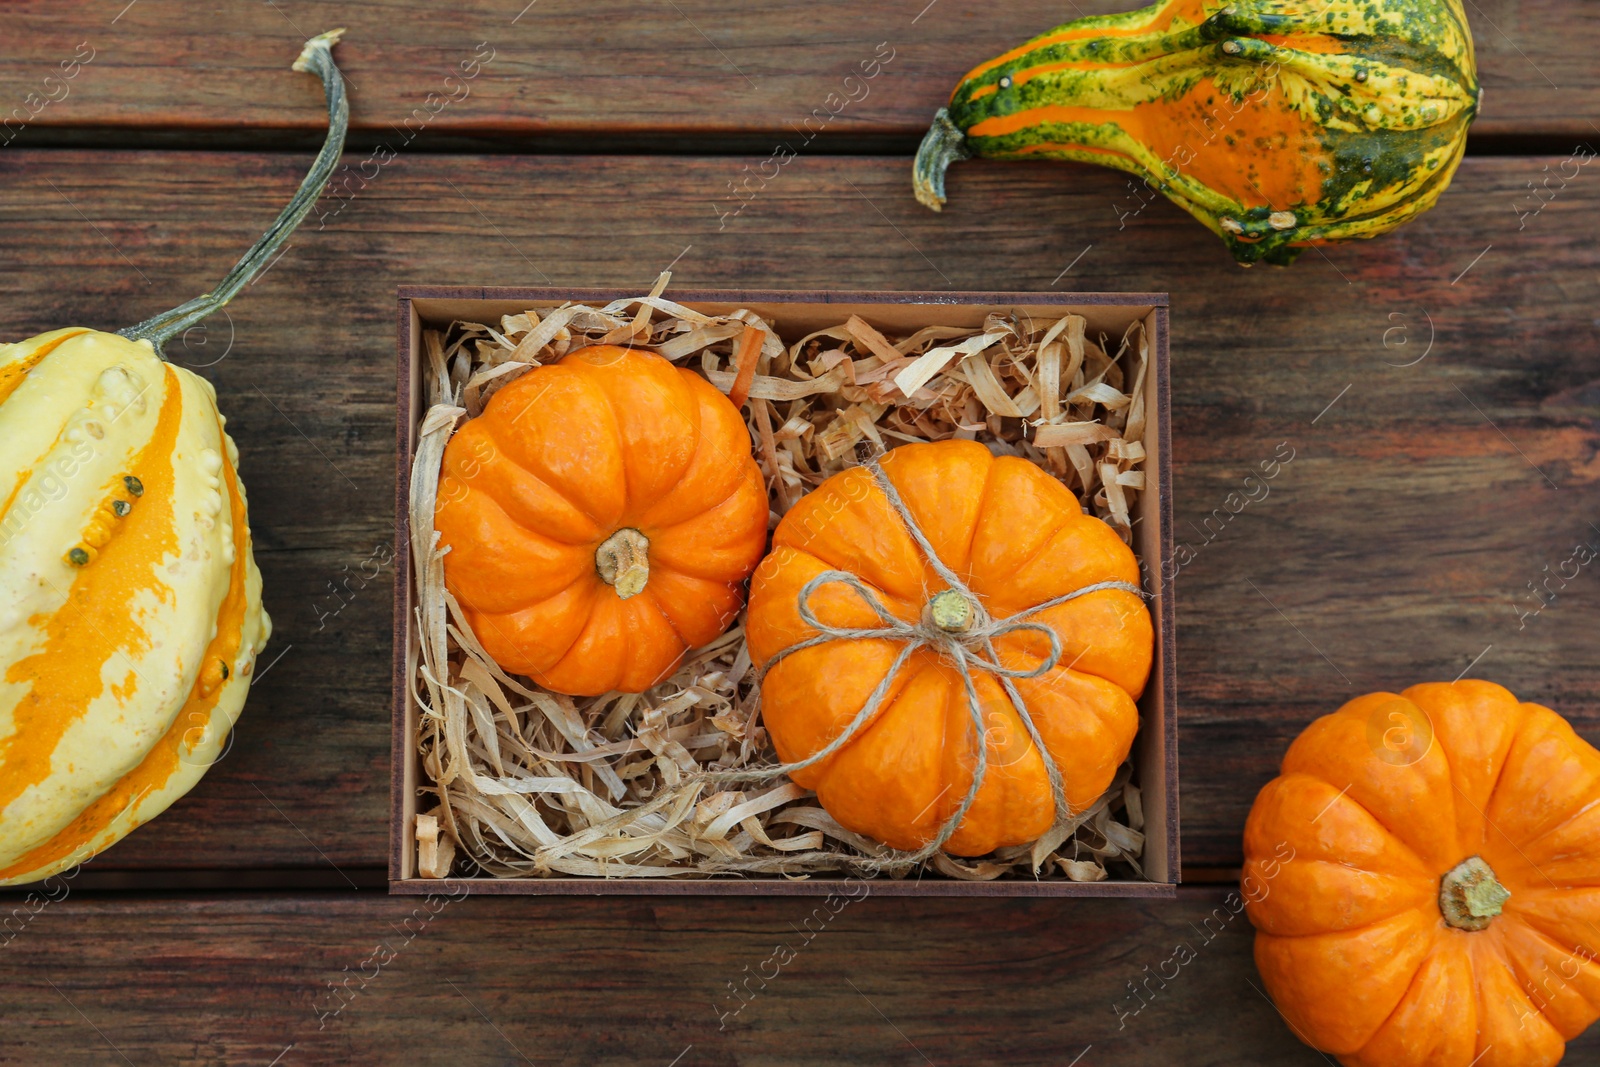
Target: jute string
<point>969,649</point>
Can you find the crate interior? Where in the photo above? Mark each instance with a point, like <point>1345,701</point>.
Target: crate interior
<point>1154,750</point>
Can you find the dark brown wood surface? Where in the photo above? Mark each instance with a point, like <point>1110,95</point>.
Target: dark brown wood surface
<point>674,74</point>
<point>1439,388</point>
<point>484,981</point>
<point>365,979</point>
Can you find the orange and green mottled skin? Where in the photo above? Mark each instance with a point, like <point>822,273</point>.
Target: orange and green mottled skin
<point>1278,124</point>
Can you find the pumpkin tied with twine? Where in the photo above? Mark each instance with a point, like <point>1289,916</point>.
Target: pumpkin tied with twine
<point>951,650</point>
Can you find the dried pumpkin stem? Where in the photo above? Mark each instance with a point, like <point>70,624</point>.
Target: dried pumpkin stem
<point>1470,896</point>
<point>951,611</point>
<point>317,58</point>
<point>623,560</point>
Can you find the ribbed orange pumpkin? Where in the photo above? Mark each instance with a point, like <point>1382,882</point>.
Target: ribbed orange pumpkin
<point>1380,862</point>
<point>1016,538</point>
<point>600,517</point>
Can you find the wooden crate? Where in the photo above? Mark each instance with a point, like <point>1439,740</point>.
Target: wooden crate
<point>1155,750</point>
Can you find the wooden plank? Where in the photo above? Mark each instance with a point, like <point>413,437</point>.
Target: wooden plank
<point>1395,546</point>
<point>592,76</point>
<point>225,979</point>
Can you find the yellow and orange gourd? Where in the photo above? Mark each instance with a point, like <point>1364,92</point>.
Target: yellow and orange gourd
<point>130,602</point>
<point>1279,124</point>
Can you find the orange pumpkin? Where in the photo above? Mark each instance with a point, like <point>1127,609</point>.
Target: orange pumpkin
<point>600,517</point>
<point>1424,877</point>
<point>1017,539</point>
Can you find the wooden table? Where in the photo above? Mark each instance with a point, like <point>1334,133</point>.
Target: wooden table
<point>1439,388</point>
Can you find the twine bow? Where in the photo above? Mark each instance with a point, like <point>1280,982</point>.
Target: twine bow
<point>955,625</point>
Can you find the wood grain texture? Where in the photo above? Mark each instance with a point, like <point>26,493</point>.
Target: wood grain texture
<point>1395,547</point>
<point>512,981</point>
<point>591,76</point>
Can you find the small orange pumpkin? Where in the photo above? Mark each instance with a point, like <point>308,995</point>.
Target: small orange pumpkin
<point>1017,539</point>
<point>600,517</point>
<point>1424,878</point>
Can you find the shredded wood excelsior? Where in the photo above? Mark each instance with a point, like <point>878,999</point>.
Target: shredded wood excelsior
<point>531,783</point>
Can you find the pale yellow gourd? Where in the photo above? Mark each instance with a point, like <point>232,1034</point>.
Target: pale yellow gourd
<point>131,614</point>
<point>130,602</point>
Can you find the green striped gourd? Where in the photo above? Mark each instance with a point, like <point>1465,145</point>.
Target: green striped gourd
<point>1277,123</point>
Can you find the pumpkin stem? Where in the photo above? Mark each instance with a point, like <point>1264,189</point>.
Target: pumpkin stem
<point>317,58</point>
<point>1470,896</point>
<point>951,611</point>
<point>943,145</point>
<point>623,560</point>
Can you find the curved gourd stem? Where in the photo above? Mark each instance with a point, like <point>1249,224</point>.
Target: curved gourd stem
<point>943,145</point>
<point>317,58</point>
